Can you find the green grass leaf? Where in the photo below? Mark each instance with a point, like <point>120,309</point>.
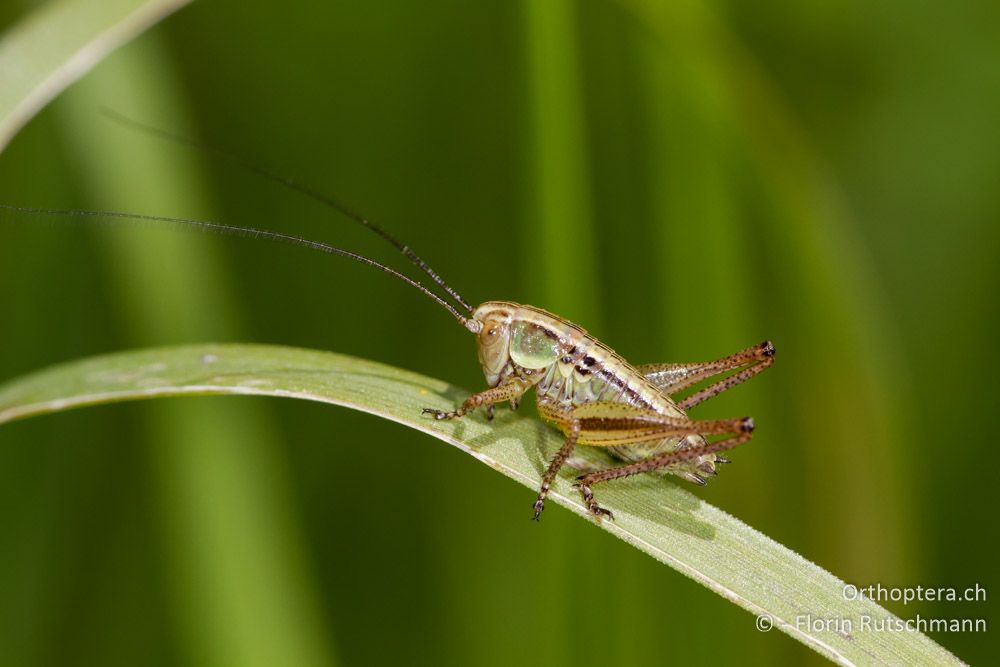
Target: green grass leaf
<point>59,43</point>
<point>657,516</point>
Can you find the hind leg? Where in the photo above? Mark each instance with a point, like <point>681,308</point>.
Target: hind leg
<point>674,378</point>
<point>613,424</point>
<point>585,482</point>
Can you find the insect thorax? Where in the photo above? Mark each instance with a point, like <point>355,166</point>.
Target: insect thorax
<point>569,366</point>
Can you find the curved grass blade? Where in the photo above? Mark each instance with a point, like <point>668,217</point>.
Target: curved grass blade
<point>656,516</point>
<point>58,43</point>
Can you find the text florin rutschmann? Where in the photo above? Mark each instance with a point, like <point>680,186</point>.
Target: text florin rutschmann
<point>866,623</point>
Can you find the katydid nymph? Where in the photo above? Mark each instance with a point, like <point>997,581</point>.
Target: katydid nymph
<point>582,386</point>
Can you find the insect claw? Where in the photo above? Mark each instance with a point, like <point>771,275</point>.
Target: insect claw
<point>489,412</point>
<point>437,414</point>
<point>538,507</point>
<point>707,468</point>
<point>721,459</point>
<point>588,499</point>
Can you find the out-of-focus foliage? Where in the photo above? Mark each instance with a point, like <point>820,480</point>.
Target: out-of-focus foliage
<point>54,46</point>
<point>683,180</point>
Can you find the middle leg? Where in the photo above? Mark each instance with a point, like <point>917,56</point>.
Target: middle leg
<point>557,462</point>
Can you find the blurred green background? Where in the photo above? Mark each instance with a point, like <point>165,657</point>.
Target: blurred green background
<point>682,179</point>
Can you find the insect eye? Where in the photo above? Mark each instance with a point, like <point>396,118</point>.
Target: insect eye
<point>493,334</point>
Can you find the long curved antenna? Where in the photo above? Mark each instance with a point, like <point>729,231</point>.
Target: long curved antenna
<point>253,233</point>
<point>292,184</point>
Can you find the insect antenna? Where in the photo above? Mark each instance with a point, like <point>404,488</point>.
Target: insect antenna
<point>246,232</point>
<point>292,184</point>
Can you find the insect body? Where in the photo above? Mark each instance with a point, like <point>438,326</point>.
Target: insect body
<point>596,398</point>
<point>582,386</point>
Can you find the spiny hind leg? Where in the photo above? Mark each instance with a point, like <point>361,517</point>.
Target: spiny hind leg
<point>697,471</point>
<point>674,378</point>
<point>610,424</point>
<point>743,432</point>
<point>510,390</point>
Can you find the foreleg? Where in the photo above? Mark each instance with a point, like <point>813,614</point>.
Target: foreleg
<point>511,390</point>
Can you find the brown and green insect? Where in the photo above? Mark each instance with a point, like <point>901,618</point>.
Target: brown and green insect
<point>596,398</point>
<point>582,386</point>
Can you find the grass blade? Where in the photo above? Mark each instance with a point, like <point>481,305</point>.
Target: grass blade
<point>59,43</point>
<point>656,516</point>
